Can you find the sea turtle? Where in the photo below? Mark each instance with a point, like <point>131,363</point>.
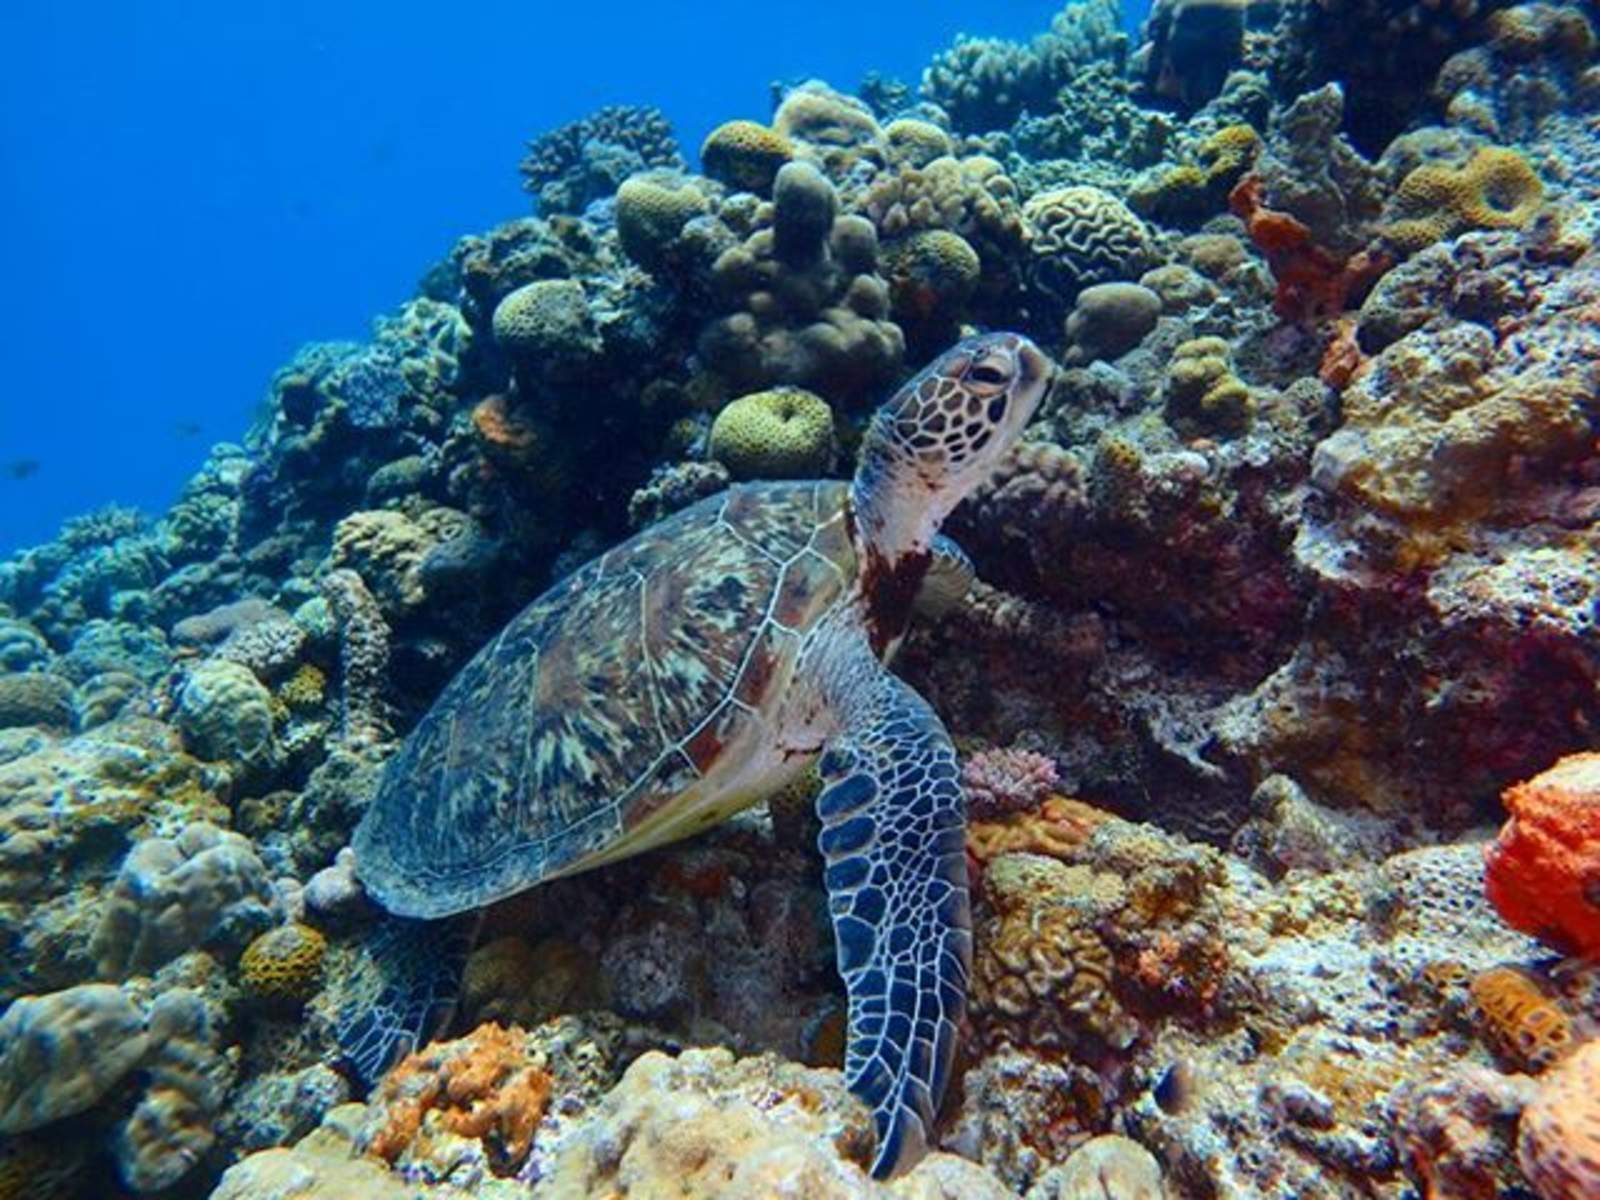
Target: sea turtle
<point>692,671</point>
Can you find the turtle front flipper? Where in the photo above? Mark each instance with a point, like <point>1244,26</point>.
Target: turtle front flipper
<point>893,830</point>
<point>398,988</point>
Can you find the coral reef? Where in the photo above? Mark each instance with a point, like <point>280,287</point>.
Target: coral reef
<point>1286,601</point>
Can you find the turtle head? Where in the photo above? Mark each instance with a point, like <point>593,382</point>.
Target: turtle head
<point>940,436</point>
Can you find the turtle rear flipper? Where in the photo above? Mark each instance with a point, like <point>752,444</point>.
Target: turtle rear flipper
<point>893,832</point>
<point>399,989</point>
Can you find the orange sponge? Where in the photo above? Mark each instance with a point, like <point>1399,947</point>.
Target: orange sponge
<point>1543,871</point>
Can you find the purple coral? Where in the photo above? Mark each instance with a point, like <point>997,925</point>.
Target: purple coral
<point>998,782</point>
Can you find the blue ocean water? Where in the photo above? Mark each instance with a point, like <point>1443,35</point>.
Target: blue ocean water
<point>190,191</point>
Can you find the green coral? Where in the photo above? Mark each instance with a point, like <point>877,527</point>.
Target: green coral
<point>785,433</point>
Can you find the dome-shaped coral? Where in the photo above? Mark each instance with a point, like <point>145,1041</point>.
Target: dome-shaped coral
<point>1495,189</point>
<point>1558,1139</point>
<point>931,274</point>
<point>283,965</point>
<point>916,143</point>
<point>1084,235</point>
<point>651,211</point>
<point>547,323</point>
<point>225,714</point>
<point>1542,871</point>
<point>745,155</point>
<point>834,130</point>
<point>785,433</point>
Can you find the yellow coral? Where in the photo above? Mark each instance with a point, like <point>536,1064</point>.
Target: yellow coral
<point>1228,153</point>
<point>304,690</point>
<point>1495,189</point>
<point>1202,392</point>
<point>745,155</point>
<point>651,211</point>
<point>785,433</point>
<point>283,965</point>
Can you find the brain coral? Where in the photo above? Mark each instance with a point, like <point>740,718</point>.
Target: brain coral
<point>1041,975</point>
<point>1495,189</point>
<point>1558,1140</point>
<point>1543,871</point>
<point>225,714</point>
<point>916,143</point>
<point>1084,235</point>
<point>785,433</point>
<point>206,887</point>
<point>830,129</point>
<point>745,155</point>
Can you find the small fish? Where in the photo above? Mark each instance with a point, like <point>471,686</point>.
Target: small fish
<point>188,429</point>
<point>20,468</point>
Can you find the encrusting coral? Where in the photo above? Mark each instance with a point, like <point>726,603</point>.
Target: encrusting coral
<point>1540,873</point>
<point>1494,189</point>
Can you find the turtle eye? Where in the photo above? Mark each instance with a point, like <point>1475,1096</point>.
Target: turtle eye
<point>987,373</point>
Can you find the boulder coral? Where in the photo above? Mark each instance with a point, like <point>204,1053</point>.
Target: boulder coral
<point>205,887</point>
<point>785,433</point>
<point>745,155</point>
<point>283,966</point>
<point>225,714</point>
<point>1542,873</point>
<point>61,1053</point>
<point>805,305</point>
<point>1558,1138</point>
<point>652,210</point>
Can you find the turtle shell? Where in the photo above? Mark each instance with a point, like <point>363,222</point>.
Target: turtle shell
<point>627,706</point>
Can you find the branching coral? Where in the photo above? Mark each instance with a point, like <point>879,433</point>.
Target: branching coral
<point>985,83</point>
<point>586,159</point>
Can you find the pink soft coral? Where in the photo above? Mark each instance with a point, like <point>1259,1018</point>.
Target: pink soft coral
<point>998,782</point>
